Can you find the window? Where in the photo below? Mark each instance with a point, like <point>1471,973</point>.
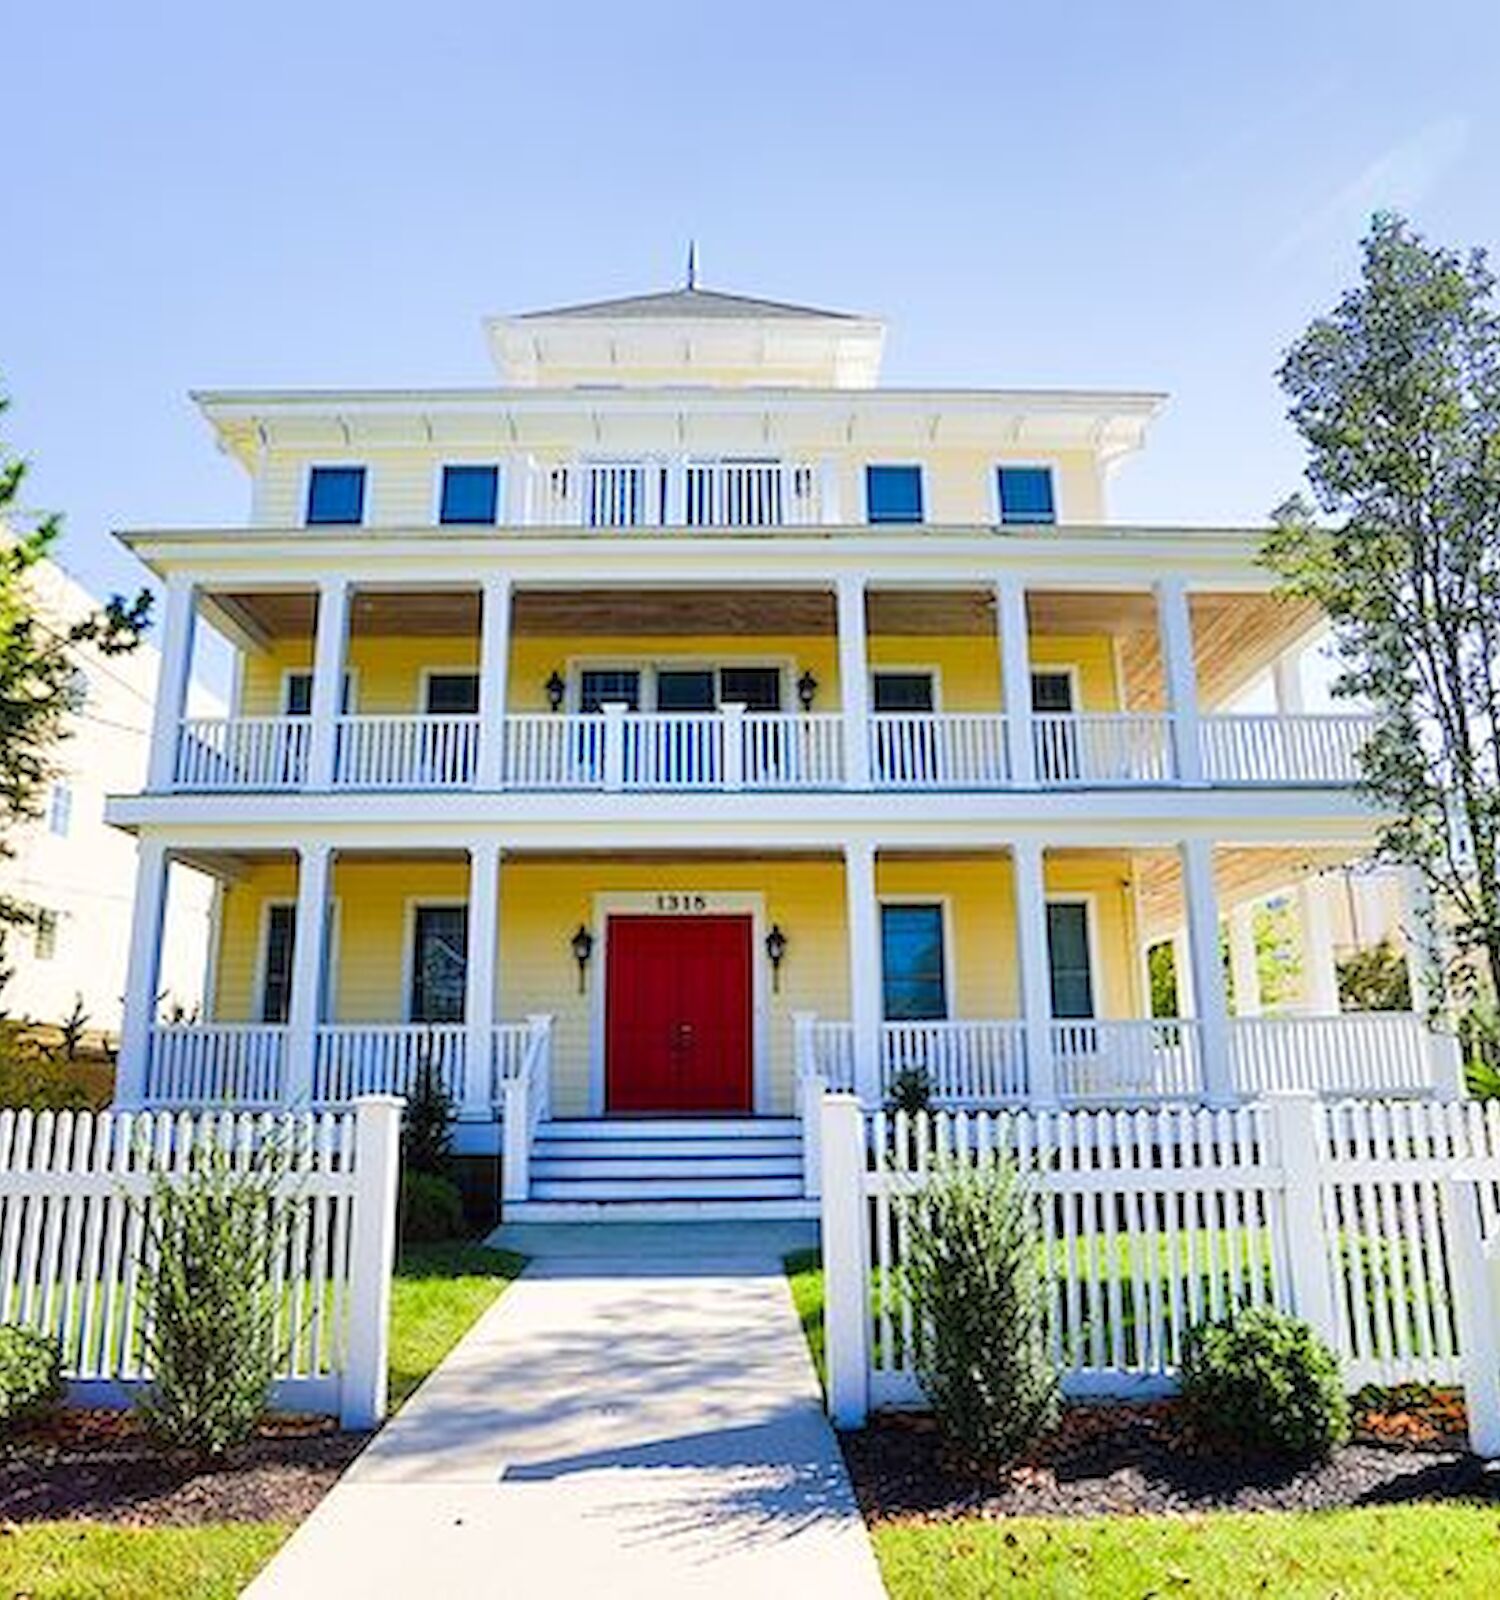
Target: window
<point>1026,495</point>
<point>755,688</point>
<point>440,958</point>
<point>1052,692</point>
<point>452,694</point>
<point>1068,958</point>
<point>276,966</point>
<point>336,495</point>
<point>601,686</point>
<point>903,691</point>
<point>46,935</point>
<point>470,495</point>
<point>60,810</point>
<point>893,494</point>
<point>296,694</point>
<point>911,952</point>
<point>685,690</point>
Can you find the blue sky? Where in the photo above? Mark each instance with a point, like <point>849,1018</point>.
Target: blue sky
<point>1142,194</point>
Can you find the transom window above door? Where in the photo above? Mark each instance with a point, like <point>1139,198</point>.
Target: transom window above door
<point>912,692</point>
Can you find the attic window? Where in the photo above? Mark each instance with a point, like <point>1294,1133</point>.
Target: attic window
<point>335,495</point>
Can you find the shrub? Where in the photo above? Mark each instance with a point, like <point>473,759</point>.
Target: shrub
<point>213,1334</point>
<point>432,1209</point>
<point>973,1274</point>
<point>910,1091</point>
<point>30,1373</point>
<point>427,1126</point>
<point>1266,1382</point>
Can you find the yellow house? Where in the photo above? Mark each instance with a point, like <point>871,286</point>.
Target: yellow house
<point>688,724</point>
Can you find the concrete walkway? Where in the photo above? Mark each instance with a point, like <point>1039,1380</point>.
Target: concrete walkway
<point>636,1416</point>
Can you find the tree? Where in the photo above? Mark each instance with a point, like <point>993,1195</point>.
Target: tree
<point>39,679</point>
<point>1396,393</point>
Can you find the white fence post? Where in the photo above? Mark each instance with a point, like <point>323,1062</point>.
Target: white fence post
<point>732,728</point>
<point>372,1258</point>
<point>846,1275</point>
<point>515,1177</point>
<point>614,745</point>
<point>1475,1311</point>
<point>1445,1063</point>
<point>1294,1123</point>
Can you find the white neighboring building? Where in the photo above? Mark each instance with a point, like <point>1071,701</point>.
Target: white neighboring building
<point>77,872</point>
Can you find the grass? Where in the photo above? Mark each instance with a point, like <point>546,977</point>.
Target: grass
<point>438,1293</point>
<point>804,1270</point>
<point>1372,1553</point>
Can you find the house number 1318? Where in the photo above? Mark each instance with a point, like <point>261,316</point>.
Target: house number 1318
<point>682,902</point>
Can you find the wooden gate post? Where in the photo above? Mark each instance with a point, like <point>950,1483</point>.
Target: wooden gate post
<point>846,1261</point>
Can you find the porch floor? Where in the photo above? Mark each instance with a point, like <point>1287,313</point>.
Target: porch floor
<point>639,1419</point>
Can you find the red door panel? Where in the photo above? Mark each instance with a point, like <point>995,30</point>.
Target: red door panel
<point>677,1014</point>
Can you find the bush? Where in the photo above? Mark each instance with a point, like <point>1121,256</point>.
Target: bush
<point>427,1125</point>
<point>30,1373</point>
<point>213,1334</point>
<point>1266,1382</point>
<point>910,1091</point>
<point>432,1209</point>
<point>973,1274</point>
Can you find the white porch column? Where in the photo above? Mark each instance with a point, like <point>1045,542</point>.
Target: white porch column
<point>143,975</point>
<point>309,953</point>
<point>1182,973</point>
<point>1320,969</point>
<point>494,669</point>
<point>1286,681</point>
<point>1244,965</point>
<point>1035,968</point>
<point>864,970</point>
<point>1015,679</point>
<point>479,980</point>
<point>179,624</point>
<point>328,681</point>
<point>854,679</point>
<point>1175,621</point>
<point>1211,1003</point>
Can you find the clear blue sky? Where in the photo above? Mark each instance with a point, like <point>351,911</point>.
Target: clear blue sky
<point>1135,194</point>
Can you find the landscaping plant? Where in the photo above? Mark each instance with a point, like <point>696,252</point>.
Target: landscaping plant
<point>432,1209</point>
<point>974,1277</point>
<point>431,1205</point>
<point>1266,1382</point>
<point>30,1373</point>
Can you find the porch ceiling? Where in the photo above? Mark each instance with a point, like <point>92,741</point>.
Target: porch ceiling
<point>1242,872</point>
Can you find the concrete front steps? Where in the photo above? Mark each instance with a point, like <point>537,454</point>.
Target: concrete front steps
<point>664,1169</point>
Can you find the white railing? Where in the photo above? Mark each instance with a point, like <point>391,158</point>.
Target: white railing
<point>751,494</point>
<point>1355,1053</point>
<point>525,1101</point>
<point>73,1242</point>
<point>1108,749</point>
<point>954,750</point>
<point>830,1050</point>
<point>242,753</point>
<point>1130,1060</point>
<point>553,752</point>
<point>791,750</point>
<point>668,750</point>
<point>660,493</point>
<point>597,494</point>
<point>1284,749</point>
<point>238,1064</point>
<point>356,1058</point>
<point>962,1063</point>
<point>508,1046</point>
<point>427,752</point>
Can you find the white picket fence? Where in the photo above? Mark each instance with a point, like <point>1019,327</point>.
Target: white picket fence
<point>1376,1221</point>
<point>75,1196</point>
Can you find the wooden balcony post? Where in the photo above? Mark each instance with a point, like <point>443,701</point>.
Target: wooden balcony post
<point>309,956</point>
<point>477,1102</point>
<point>1210,997</point>
<point>864,969</point>
<point>494,666</point>
<point>179,624</point>
<point>327,707</point>
<point>147,921</point>
<point>1030,892</point>
<point>1179,668</point>
<point>854,679</point>
<point>1015,680</point>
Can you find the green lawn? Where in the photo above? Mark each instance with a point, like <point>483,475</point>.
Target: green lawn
<point>438,1292</point>
<point>804,1270</point>
<point>1374,1553</point>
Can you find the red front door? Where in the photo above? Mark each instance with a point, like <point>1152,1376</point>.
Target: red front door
<point>677,1008</point>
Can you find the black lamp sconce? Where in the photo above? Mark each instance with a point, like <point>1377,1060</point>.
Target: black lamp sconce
<point>583,949</point>
<point>556,689</point>
<point>776,954</point>
<point>807,690</point>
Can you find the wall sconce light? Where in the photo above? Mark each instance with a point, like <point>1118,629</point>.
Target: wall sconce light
<point>583,948</point>
<point>556,689</point>
<point>776,954</point>
<point>807,690</point>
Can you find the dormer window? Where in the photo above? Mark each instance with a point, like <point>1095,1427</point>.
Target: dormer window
<point>1026,496</point>
<point>470,495</point>
<point>335,496</point>
<point>893,493</point>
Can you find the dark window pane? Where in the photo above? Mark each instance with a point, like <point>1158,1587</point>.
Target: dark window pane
<point>336,494</point>
<point>452,694</point>
<point>684,691</point>
<point>276,984</point>
<point>903,691</point>
<point>470,494</point>
<point>893,494</point>
<point>603,686</point>
<point>1026,495</point>
<point>1051,691</point>
<point>1068,956</point>
<point>299,694</point>
<point>911,940</point>
<point>756,688</point>
<point>439,964</point>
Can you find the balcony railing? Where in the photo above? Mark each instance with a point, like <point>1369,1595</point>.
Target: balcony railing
<point>661,494</point>
<point>733,749</point>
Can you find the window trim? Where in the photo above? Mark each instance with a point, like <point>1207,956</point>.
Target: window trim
<point>909,669</point>
<point>1089,900</point>
<point>944,903</point>
<point>998,503</point>
<point>440,475</point>
<point>410,906</point>
<point>426,674</point>
<point>920,520</point>
<point>335,465</point>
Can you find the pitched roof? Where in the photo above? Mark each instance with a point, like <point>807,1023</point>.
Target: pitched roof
<point>685,302</point>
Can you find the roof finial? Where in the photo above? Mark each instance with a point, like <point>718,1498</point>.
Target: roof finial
<point>692,264</point>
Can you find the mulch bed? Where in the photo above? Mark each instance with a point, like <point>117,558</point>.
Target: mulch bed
<point>1145,1458</point>
<point>99,1465</point>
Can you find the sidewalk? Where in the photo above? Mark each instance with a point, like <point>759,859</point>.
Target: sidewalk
<point>636,1416</point>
